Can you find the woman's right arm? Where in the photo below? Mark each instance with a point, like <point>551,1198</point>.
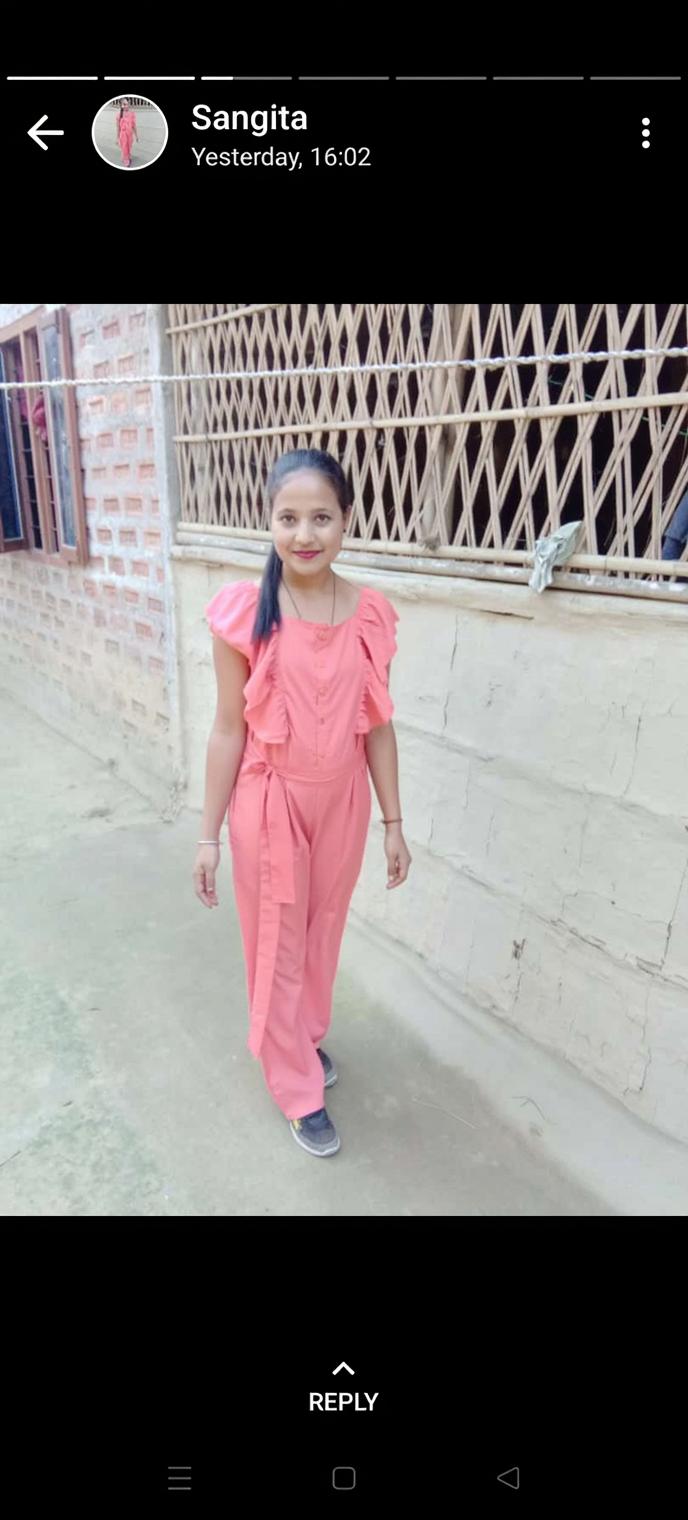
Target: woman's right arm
<point>227,736</point>
<point>223,758</point>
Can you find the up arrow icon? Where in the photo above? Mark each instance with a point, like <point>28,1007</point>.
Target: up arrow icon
<point>343,1366</point>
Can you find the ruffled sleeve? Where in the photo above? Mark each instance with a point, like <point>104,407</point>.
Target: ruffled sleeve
<point>377,620</point>
<point>266,710</point>
<point>232,613</point>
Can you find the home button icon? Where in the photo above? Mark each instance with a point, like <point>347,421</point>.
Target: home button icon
<point>344,1477</point>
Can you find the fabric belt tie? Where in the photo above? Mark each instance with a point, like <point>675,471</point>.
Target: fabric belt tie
<point>277,866</point>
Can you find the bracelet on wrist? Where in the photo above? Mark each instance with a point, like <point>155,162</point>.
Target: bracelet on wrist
<point>392,820</point>
<point>209,841</point>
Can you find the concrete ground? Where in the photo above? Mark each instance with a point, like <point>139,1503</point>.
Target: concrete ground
<point>127,1086</point>
<point>150,126</point>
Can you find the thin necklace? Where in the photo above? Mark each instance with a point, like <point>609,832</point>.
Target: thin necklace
<point>334,592</point>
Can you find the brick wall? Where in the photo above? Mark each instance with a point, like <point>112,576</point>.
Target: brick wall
<point>91,647</point>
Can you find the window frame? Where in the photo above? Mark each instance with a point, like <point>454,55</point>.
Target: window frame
<point>16,459</point>
<point>29,330</point>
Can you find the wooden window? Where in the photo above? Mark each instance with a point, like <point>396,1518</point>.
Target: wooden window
<point>41,496</point>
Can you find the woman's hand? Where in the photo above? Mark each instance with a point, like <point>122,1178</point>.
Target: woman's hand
<point>398,857</point>
<point>207,862</point>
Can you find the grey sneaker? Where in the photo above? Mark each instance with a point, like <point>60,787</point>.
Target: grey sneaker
<point>328,1068</point>
<point>316,1133</point>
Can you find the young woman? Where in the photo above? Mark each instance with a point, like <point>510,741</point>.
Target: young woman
<point>303,711</point>
<point>126,132</point>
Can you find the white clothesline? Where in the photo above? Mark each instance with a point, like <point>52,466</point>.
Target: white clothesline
<point>310,371</point>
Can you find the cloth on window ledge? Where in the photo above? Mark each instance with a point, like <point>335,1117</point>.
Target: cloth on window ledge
<point>554,550</point>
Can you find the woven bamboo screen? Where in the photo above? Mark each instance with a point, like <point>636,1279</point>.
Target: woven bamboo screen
<point>495,484</point>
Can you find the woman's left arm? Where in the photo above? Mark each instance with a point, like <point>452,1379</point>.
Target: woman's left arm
<point>383,764</point>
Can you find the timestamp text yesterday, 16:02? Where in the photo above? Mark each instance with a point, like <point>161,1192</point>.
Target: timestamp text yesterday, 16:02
<point>327,158</point>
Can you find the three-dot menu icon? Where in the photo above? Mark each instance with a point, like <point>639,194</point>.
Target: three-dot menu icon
<point>646,131</point>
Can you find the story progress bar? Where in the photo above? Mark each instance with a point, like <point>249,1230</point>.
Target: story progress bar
<point>339,78</point>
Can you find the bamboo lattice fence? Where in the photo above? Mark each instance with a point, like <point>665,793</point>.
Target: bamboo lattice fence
<point>462,463</point>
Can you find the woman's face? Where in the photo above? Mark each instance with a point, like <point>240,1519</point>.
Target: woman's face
<point>125,105</point>
<point>306,515</point>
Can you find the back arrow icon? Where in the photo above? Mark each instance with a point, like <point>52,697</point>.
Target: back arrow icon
<point>36,133</point>
<point>512,1478</point>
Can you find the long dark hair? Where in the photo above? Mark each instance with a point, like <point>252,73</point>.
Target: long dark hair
<point>268,611</point>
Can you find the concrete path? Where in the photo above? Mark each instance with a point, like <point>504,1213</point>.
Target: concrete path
<point>127,1087</point>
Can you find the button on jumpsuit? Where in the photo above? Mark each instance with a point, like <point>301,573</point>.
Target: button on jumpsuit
<point>298,818</point>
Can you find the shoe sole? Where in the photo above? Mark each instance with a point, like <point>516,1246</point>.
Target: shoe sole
<point>331,1151</point>
<point>332,1078</point>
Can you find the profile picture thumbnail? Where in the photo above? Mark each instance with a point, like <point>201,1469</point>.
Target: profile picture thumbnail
<point>130,132</point>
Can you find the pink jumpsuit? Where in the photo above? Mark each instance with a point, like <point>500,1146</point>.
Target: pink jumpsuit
<point>298,818</point>
<point>125,131</point>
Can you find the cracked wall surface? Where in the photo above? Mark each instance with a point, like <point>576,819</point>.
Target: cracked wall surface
<point>545,799</point>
